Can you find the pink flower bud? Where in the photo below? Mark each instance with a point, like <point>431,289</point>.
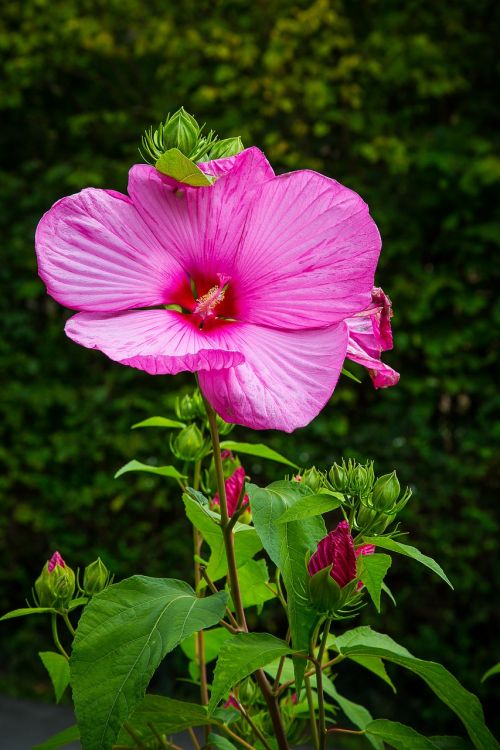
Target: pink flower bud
<point>55,561</point>
<point>232,703</point>
<point>337,550</point>
<point>234,486</point>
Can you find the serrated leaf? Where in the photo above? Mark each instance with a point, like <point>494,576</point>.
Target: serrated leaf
<point>491,672</point>
<point>371,571</point>
<point>166,714</point>
<point>27,611</point>
<point>58,668</point>
<point>359,715</point>
<point>246,540</point>
<point>241,655</point>
<point>123,635</point>
<point>406,549</point>
<point>376,666</point>
<point>398,735</point>
<point>163,471</point>
<point>61,739</point>
<point>256,449</point>
<point>174,164</point>
<point>365,641</point>
<point>287,545</point>
<point>312,505</point>
<point>171,424</point>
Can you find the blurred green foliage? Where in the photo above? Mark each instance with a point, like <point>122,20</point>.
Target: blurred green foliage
<point>396,100</point>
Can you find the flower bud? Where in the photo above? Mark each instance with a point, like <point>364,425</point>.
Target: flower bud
<point>189,444</point>
<point>223,427</point>
<point>313,479</point>
<point>55,585</point>
<point>95,577</point>
<point>181,131</point>
<point>386,492</point>
<point>324,592</point>
<point>185,408</point>
<point>338,477</point>
<point>226,147</point>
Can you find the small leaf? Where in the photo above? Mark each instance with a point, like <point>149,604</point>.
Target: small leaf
<point>350,375</point>
<point>27,611</point>
<point>167,715</point>
<point>491,672</point>
<point>171,424</point>
<point>219,742</point>
<point>405,549</point>
<point>375,665</point>
<point>256,449</point>
<point>312,505</point>
<point>164,471</point>
<point>81,601</point>
<point>239,657</point>
<point>371,571</point>
<point>58,668</point>
<point>174,164</point>
<point>61,739</point>
<point>398,735</point>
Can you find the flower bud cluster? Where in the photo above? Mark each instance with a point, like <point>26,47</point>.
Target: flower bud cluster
<point>191,443</point>
<point>56,585</point>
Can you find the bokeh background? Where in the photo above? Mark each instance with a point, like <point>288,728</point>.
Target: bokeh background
<point>397,101</point>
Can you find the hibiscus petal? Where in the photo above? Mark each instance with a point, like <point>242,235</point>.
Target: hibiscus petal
<point>201,227</point>
<point>309,253</point>
<point>95,253</point>
<point>161,342</point>
<point>286,379</point>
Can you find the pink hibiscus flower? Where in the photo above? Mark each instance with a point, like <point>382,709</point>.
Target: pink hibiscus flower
<point>248,282</point>
<point>370,334</point>
<point>337,549</point>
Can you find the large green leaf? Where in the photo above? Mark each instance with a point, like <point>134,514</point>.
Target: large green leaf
<point>312,505</point>
<point>365,641</point>
<point>371,571</point>
<point>405,549</point>
<point>61,739</point>
<point>167,715</point>
<point>123,634</point>
<point>359,715</point>
<point>246,540</point>
<point>256,449</point>
<point>58,668</point>
<point>162,471</point>
<point>174,164</point>
<point>398,735</point>
<point>171,424</point>
<point>287,545</point>
<point>376,666</point>
<point>241,655</point>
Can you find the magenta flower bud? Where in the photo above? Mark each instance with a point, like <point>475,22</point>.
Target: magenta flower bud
<point>232,703</point>
<point>234,487</point>
<point>55,560</point>
<point>55,585</point>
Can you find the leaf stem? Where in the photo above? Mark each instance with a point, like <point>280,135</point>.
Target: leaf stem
<point>236,737</point>
<point>252,724</point>
<point>55,636</point>
<point>194,739</point>
<point>200,638</point>
<point>68,623</point>
<point>319,687</point>
<point>312,716</point>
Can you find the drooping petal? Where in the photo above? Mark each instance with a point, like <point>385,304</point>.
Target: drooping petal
<point>95,253</point>
<point>286,379</point>
<point>308,253</point>
<point>369,335</point>
<point>161,342</point>
<point>201,227</point>
<point>337,550</point>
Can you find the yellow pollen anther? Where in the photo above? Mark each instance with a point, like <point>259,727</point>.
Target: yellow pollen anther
<point>207,302</point>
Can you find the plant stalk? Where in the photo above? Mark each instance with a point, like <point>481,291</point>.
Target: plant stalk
<point>55,636</point>
<point>319,687</point>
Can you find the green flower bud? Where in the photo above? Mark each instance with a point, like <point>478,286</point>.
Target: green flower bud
<point>247,692</point>
<point>223,427</point>
<point>386,492</point>
<point>55,585</point>
<point>181,131</point>
<point>372,521</point>
<point>338,477</point>
<point>95,577</point>
<point>185,407</point>
<point>189,444</point>
<point>226,147</point>
<point>313,479</point>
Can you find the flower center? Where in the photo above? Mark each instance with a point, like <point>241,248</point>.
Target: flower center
<point>206,304</point>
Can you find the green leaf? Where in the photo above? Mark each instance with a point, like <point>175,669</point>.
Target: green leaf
<point>375,665</point>
<point>219,742</point>
<point>163,471</point>
<point>61,739</point>
<point>312,505</point>
<point>81,601</point>
<point>491,672</point>
<point>256,449</point>
<point>174,164</point>
<point>167,715</point>
<point>450,743</point>
<point>398,735</point>
<point>58,668</point>
<point>254,583</point>
<point>171,424</point>
<point>357,714</point>
<point>246,540</point>
<point>27,611</point>
<point>213,640</point>
<point>371,571</point>
<point>239,657</point>
<point>350,375</point>
<point>123,635</point>
<point>405,549</point>
<point>365,641</point>
<point>287,545</point>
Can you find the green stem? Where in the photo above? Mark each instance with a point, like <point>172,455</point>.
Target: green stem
<point>200,639</point>
<point>312,716</point>
<point>68,624</point>
<point>319,687</point>
<point>55,636</point>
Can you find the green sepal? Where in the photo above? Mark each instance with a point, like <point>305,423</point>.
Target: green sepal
<point>324,592</point>
<point>174,164</point>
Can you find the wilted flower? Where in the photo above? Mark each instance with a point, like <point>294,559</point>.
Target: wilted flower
<point>248,281</point>
<point>234,488</point>
<point>370,334</point>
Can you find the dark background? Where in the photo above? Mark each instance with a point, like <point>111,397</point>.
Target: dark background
<point>397,101</point>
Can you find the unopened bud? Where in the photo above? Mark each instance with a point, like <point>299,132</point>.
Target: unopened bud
<point>95,577</point>
<point>185,407</point>
<point>189,444</point>
<point>226,147</point>
<point>223,427</point>
<point>313,479</point>
<point>386,492</point>
<point>181,131</point>
<point>55,585</point>
<point>338,477</point>
<point>325,593</point>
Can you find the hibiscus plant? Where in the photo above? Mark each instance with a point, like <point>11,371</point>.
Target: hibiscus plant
<point>260,285</point>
